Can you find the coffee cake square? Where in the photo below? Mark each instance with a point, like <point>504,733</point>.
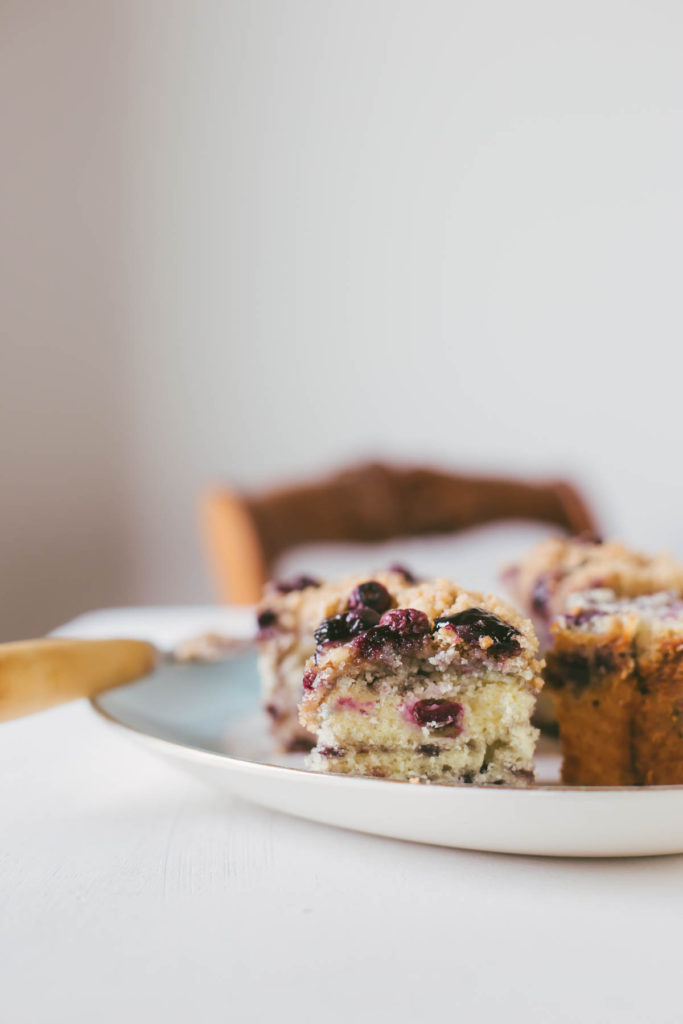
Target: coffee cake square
<point>423,682</point>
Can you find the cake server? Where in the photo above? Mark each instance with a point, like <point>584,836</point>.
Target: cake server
<point>39,674</point>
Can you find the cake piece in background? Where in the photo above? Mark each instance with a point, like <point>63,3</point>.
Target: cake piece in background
<point>423,682</point>
<point>287,617</point>
<point>561,566</point>
<point>616,671</point>
<point>558,567</point>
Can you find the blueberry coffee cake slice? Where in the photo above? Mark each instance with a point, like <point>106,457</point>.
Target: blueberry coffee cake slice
<point>287,617</point>
<point>423,682</point>
<point>616,671</point>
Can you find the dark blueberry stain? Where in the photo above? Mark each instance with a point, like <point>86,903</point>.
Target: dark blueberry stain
<point>605,660</point>
<point>309,679</point>
<point>569,668</point>
<point>429,749</point>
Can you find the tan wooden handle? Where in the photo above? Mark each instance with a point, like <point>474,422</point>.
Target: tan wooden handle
<point>37,674</point>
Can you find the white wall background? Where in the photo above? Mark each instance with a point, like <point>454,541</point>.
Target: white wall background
<point>248,238</point>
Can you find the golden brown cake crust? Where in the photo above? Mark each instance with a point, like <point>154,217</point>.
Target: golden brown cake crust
<point>617,679</point>
<point>591,680</point>
<point>658,722</point>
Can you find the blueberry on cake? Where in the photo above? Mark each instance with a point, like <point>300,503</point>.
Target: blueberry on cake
<point>616,671</point>
<point>423,682</point>
<point>287,617</point>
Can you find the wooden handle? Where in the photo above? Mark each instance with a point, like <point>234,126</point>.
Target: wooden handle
<point>37,674</point>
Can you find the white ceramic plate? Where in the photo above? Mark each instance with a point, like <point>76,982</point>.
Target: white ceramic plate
<point>206,718</point>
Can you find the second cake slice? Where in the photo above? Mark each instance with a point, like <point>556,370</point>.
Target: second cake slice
<point>428,682</point>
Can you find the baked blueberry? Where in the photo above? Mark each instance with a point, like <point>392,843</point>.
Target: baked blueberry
<point>335,628</point>
<point>266,619</point>
<point>298,583</point>
<point>475,624</point>
<point>407,622</point>
<point>398,629</point>
<point>371,595</point>
<point>339,628</point>
<point>360,619</point>
<point>437,714</point>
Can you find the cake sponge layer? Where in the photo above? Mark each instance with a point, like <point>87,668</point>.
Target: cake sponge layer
<point>476,732</point>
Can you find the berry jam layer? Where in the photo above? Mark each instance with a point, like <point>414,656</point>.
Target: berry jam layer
<point>431,683</point>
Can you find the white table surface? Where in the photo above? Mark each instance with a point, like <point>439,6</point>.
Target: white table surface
<point>130,892</point>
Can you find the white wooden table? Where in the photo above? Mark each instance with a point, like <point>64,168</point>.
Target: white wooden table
<point>129,892</point>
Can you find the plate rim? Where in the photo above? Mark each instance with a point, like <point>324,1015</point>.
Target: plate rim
<point>330,778</point>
